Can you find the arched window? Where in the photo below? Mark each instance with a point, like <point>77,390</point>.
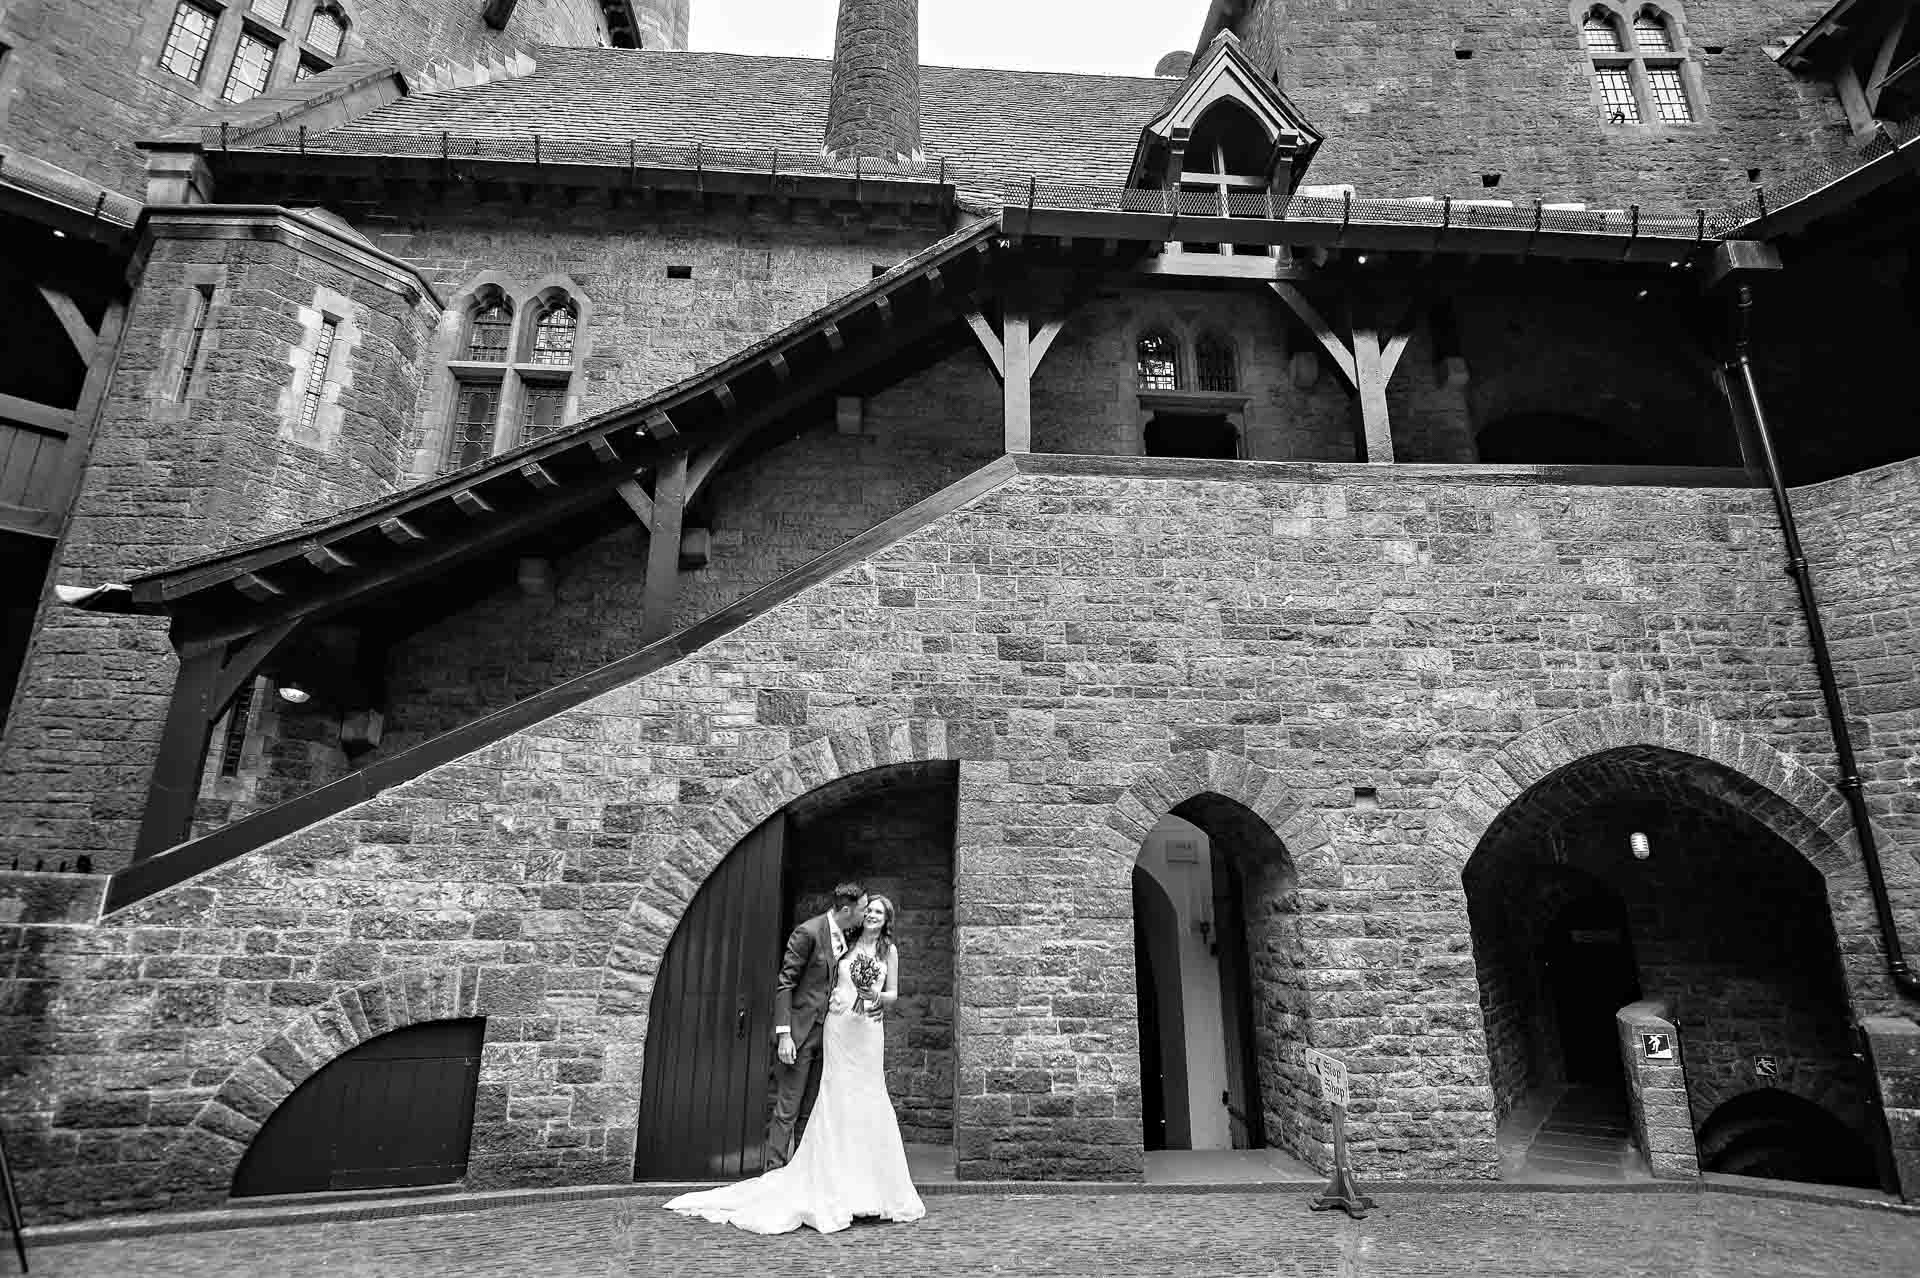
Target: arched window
<point>1214,365</point>
<point>488,330</point>
<point>1602,33</point>
<point>1158,362</point>
<point>1642,81</point>
<point>327,30</point>
<point>1650,33</point>
<point>553,335</point>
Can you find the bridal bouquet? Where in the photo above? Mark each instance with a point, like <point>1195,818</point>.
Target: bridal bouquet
<point>866,974</point>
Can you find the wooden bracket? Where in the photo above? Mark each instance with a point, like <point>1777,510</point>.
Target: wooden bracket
<point>663,550</point>
<point>79,332</point>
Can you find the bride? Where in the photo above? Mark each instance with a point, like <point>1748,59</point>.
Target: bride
<point>850,1161</point>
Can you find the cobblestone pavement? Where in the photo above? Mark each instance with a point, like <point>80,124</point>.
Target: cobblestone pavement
<point>1519,1234</point>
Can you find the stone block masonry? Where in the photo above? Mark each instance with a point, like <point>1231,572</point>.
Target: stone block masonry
<point>1092,650</point>
<point>1405,115</point>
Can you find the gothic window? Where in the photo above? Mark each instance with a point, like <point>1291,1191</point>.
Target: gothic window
<point>188,36</point>
<point>1602,33</point>
<point>1157,362</point>
<point>541,409</point>
<point>274,11</point>
<point>252,63</point>
<point>1643,80</point>
<point>553,335</point>
<point>476,403</point>
<point>327,30</point>
<point>488,330</point>
<point>1213,364</point>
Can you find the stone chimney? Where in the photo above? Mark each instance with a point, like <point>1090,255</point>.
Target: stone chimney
<point>873,109</point>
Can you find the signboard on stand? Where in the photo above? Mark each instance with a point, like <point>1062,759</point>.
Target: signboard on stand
<point>1342,1191</point>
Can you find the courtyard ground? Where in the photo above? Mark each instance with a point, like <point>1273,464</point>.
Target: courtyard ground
<point>1665,1232</point>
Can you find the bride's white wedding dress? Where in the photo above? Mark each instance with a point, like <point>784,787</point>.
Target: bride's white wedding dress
<point>850,1161</point>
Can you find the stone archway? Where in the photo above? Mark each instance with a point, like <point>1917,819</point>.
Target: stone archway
<point>1733,866</point>
<point>205,1157</point>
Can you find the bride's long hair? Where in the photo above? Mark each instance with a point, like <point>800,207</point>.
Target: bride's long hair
<point>883,944</point>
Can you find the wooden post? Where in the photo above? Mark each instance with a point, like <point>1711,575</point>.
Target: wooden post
<point>663,550</point>
<point>175,785</point>
<point>1017,357</point>
<point>1370,373</point>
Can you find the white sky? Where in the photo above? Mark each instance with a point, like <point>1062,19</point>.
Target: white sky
<point>1112,37</point>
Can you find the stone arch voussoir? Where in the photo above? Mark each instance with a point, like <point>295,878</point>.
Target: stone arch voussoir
<point>1802,809</point>
<point>1233,776</point>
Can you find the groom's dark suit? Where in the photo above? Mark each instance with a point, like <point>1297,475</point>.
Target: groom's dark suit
<point>800,996</point>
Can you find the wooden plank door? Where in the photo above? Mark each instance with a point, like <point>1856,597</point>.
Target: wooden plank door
<point>396,1110</point>
<point>703,1093</point>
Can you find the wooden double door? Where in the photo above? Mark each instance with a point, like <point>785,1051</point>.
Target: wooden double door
<point>704,1087</point>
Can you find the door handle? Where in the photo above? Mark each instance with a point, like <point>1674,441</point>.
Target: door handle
<point>740,1024</point>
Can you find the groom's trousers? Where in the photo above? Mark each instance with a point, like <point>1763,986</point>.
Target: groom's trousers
<point>794,1088</point>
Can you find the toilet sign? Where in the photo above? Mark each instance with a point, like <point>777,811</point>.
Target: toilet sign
<point>1332,1074</point>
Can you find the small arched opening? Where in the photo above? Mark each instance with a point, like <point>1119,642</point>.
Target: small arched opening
<point>1780,1136</point>
<point>397,1110</point>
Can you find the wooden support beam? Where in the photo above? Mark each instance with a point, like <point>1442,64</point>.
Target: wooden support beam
<point>663,550</point>
<point>79,332</point>
<point>835,342</point>
<point>1883,60</point>
<point>935,281</point>
<point>42,417</point>
<point>782,373</point>
<point>400,532</point>
<point>256,587</point>
<point>472,504</point>
<point>603,449</point>
<point>1017,381</point>
<point>1337,351</point>
<point>989,343</point>
<point>539,476</point>
<point>659,427</point>
<point>209,677</point>
<point>885,310</point>
<point>1371,372</point>
<point>723,394</point>
<point>328,560</point>
<point>637,500</point>
<point>1043,340</point>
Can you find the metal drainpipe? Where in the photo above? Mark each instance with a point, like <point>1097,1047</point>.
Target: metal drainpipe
<point>1850,787</point>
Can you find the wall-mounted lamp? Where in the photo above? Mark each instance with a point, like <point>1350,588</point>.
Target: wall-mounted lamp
<point>292,693</point>
<point>1642,848</point>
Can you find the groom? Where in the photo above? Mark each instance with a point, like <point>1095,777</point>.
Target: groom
<point>800,996</point>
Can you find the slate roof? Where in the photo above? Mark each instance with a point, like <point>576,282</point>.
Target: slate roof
<point>1056,125</point>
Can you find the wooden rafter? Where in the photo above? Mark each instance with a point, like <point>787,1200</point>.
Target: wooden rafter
<point>79,332</point>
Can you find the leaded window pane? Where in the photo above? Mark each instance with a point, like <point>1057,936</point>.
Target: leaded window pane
<point>541,411</point>
<point>187,40</point>
<point>274,11</point>
<point>553,337</point>
<point>1669,97</point>
<point>475,406</point>
<point>327,31</point>
<point>252,61</point>
<point>1602,35</point>
<point>1651,34</point>
<point>1159,363</point>
<point>487,336</point>
<point>1213,361</point>
<point>1616,96</point>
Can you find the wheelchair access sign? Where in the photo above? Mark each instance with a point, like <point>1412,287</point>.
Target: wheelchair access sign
<point>1332,1074</point>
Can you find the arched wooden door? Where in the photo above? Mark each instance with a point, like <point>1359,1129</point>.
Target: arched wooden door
<point>396,1110</point>
<point>703,1091</point>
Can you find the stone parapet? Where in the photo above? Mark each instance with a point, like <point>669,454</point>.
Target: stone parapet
<point>1657,1083</point>
<point>1893,1045</point>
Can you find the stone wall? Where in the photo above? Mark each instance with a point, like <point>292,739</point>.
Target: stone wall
<point>88,80</point>
<point>1094,651</point>
<point>186,462</point>
<point>1405,115</point>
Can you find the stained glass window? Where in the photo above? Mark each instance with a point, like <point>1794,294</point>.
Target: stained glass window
<point>487,336</point>
<point>475,406</point>
<point>553,336</point>
<point>541,411</point>
<point>317,374</point>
